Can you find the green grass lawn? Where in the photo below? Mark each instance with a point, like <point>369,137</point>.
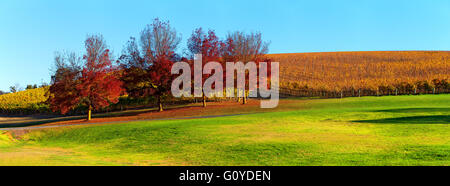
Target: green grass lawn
<point>391,130</point>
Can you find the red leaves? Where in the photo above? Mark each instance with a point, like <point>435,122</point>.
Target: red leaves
<point>99,86</point>
<point>147,67</point>
<point>96,85</point>
<point>64,94</point>
<point>161,77</point>
<point>208,45</point>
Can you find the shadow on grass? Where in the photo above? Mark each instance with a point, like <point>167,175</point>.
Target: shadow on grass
<point>412,110</point>
<point>41,120</point>
<point>437,119</point>
<point>28,123</point>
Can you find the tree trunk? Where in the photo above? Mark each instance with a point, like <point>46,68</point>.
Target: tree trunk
<point>204,99</point>
<point>89,113</point>
<point>244,99</point>
<point>238,95</point>
<point>160,104</point>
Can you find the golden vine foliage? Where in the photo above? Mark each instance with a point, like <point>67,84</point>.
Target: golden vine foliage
<point>338,71</point>
<point>32,100</point>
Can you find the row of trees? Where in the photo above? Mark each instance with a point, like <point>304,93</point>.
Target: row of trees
<point>17,88</point>
<point>144,68</point>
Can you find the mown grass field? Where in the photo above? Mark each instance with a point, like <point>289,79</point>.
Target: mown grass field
<point>390,130</point>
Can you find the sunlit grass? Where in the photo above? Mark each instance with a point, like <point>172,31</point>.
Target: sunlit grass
<point>403,130</point>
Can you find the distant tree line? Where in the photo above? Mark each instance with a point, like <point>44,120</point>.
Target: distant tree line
<point>17,88</point>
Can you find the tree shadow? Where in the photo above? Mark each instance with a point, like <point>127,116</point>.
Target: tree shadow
<point>412,110</point>
<point>436,119</point>
<point>41,120</point>
<point>33,122</point>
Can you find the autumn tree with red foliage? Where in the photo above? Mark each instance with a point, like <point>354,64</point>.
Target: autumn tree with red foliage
<point>95,85</point>
<point>161,79</point>
<point>64,94</point>
<point>209,46</point>
<point>135,71</point>
<point>147,67</point>
<point>239,46</point>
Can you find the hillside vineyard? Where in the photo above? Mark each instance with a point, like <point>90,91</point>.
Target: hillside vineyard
<point>335,74</point>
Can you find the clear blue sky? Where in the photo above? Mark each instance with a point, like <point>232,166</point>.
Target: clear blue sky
<point>32,30</point>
